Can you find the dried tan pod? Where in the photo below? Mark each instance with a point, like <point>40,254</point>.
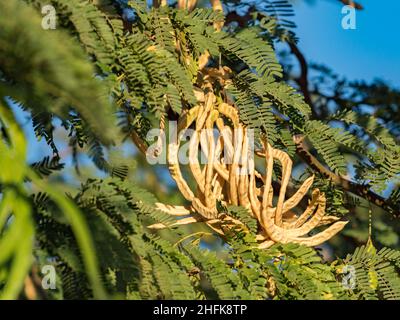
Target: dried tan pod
<point>203,60</point>
<point>172,154</point>
<point>254,201</point>
<point>230,112</point>
<point>243,174</point>
<point>204,110</point>
<point>268,181</point>
<point>321,237</point>
<point>307,226</point>
<point>266,244</point>
<point>186,4</point>
<point>313,222</point>
<point>209,213</point>
<point>160,140</point>
<point>233,171</point>
<point>286,164</point>
<point>298,196</point>
<point>227,136</point>
<point>242,190</point>
<point>209,196</point>
<point>271,286</point>
<point>218,162</point>
<point>289,217</point>
<point>328,220</point>
<point>187,118</point>
<point>173,210</point>
<point>230,173</point>
<point>193,160</point>
<point>294,231</point>
<point>180,222</point>
<point>199,94</point>
<point>309,211</point>
<point>219,165</point>
<point>217,6</point>
<point>191,4</point>
<point>218,188</point>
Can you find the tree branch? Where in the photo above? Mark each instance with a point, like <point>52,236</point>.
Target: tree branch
<point>362,191</point>
<point>353,4</point>
<point>302,80</point>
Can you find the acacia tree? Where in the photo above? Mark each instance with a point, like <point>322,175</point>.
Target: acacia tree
<point>238,229</point>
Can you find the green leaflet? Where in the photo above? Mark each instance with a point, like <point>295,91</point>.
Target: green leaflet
<point>17,242</point>
<point>48,76</point>
<point>98,238</point>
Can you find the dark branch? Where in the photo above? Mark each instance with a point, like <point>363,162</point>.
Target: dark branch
<point>302,80</point>
<point>362,191</point>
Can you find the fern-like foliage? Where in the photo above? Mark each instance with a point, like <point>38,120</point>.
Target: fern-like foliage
<point>49,77</point>
<point>138,264</point>
<point>146,69</point>
<point>375,273</point>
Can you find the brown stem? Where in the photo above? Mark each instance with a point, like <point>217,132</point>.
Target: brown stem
<point>362,191</point>
<point>302,80</point>
<point>353,4</point>
<point>139,143</point>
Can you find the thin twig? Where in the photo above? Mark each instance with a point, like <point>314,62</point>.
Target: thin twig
<point>362,191</point>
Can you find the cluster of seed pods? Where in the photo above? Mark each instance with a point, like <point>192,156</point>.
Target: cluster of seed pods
<point>229,174</point>
<point>237,181</point>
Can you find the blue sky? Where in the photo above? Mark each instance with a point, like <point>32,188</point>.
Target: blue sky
<point>371,51</point>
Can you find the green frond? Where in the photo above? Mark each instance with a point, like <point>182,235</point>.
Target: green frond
<point>376,273</point>
<point>243,215</point>
<point>47,166</point>
<point>385,158</point>
<point>255,52</point>
<point>40,73</point>
<point>222,279</point>
<point>325,140</point>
